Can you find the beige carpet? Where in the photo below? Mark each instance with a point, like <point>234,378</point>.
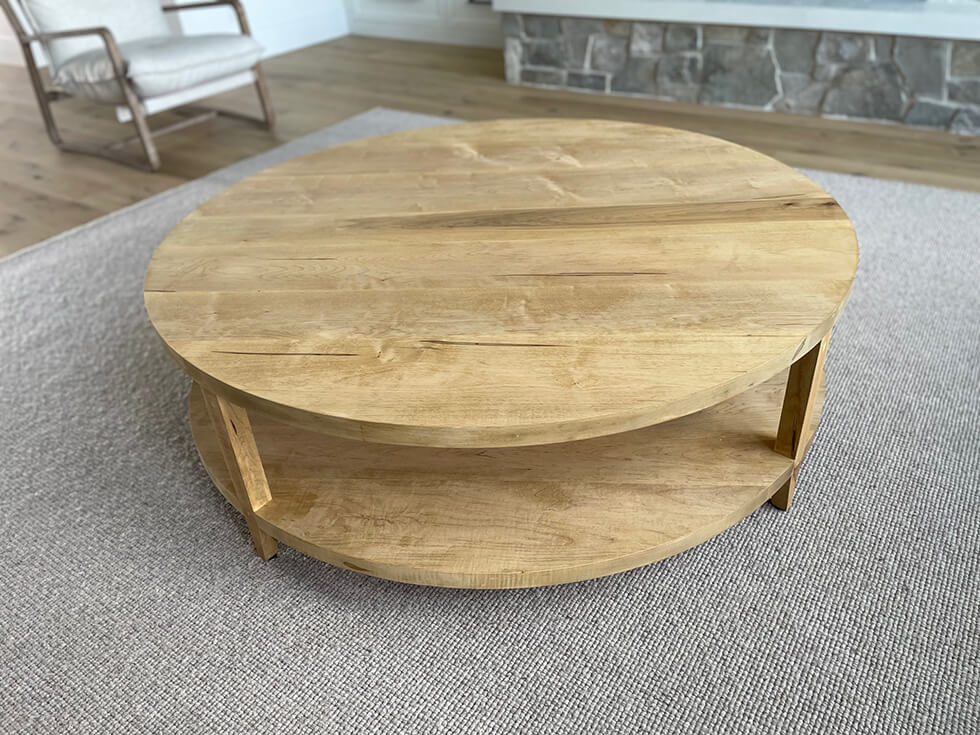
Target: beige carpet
<point>132,601</point>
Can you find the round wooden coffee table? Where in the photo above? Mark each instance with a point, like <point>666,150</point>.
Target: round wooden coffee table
<point>505,354</point>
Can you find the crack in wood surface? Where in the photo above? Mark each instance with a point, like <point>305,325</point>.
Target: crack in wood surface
<point>287,354</point>
<point>487,344</point>
<point>572,274</point>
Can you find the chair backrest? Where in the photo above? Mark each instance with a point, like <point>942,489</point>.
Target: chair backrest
<point>127,19</point>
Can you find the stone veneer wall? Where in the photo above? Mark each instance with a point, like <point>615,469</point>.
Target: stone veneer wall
<point>918,81</point>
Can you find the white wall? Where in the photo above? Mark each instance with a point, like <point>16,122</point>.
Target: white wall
<point>279,25</point>
<point>9,48</point>
<point>440,21</point>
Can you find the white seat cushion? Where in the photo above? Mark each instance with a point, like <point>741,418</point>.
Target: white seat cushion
<point>159,65</point>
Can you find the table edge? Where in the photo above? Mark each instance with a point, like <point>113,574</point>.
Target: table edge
<point>474,437</point>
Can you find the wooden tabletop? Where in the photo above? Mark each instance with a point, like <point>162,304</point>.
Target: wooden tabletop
<point>503,283</point>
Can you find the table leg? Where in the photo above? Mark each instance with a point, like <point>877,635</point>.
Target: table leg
<point>796,420</point>
<point>241,455</point>
<point>783,497</point>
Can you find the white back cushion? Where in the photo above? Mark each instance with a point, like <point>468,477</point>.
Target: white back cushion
<point>127,19</point>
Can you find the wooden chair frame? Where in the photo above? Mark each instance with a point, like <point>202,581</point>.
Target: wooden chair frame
<point>111,151</point>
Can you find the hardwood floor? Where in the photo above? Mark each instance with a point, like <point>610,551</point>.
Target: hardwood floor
<point>44,192</point>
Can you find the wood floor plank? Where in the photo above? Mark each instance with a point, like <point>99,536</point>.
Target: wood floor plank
<point>46,191</point>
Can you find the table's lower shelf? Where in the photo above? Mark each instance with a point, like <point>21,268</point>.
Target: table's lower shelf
<point>514,517</point>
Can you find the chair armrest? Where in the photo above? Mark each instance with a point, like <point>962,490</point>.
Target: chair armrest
<point>54,35</point>
<point>111,47</point>
<point>235,4</point>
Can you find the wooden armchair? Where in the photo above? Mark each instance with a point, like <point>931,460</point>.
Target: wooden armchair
<point>122,52</point>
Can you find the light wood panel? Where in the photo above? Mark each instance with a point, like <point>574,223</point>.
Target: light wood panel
<point>503,283</point>
<point>514,517</point>
<point>45,192</point>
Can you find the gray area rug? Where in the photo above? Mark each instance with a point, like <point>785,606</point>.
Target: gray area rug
<point>132,601</point>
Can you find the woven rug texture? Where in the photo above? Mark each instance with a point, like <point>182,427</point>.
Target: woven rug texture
<point>133,603</point>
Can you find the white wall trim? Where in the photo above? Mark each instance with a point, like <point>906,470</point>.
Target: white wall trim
<point>933,18</point>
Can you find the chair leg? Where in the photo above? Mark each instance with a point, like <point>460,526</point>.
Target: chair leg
<point>54,134</point>
<point>268,119</point>
<point>142,128</point>
<point>146,138</point>
<point>43,99</point>
<point>267,111</point>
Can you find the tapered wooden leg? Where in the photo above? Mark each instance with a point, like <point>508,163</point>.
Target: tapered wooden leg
<point>241,455</point>
<point>796,421</point>
<point>783,498</point>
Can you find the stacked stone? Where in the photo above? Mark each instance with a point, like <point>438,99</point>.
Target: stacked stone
<point>918,81</point>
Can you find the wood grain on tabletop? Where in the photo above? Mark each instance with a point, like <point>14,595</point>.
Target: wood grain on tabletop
<point>503,283</point>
